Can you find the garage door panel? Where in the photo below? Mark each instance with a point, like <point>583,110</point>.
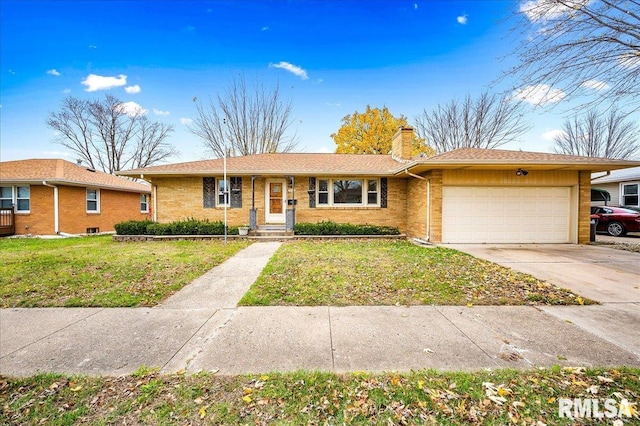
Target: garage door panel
<point>506,214</point>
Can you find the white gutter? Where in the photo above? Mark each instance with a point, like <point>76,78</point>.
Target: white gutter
<point>56,216</point>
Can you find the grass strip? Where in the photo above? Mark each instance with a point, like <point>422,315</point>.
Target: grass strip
<point>498,397</point>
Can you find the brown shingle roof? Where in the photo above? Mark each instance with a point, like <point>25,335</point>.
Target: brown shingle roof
<point>506,155</point>
<point>57,171</point>
<point>477,158</point>
<point>378,165</point>
<point>284,163</point>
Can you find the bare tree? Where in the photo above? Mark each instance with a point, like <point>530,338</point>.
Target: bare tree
<point>109,135</point>
<point>582,47</point>
<point>487,122</point>
<point>244,121</point>
<point>599,135</point>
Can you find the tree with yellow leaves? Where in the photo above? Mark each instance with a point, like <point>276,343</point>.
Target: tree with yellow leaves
<point>370,132</point>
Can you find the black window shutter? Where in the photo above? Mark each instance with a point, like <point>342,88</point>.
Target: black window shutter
<point>383,193</point>
<point>312,193</point>
<point>208,192</point>
<point>235,184</point>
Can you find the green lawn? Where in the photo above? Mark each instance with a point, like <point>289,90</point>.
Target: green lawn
<point>96,271</point>
<point>422,397</point>
<point>378,272</point>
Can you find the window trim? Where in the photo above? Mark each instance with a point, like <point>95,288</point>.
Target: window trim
<point>145,202</point>
<point>364,196</point>
<point>97,201</point>
<point>14,198</point>
<point>221,194</point>
<point>622,195</point>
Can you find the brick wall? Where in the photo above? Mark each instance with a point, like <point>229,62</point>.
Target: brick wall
<point>40,220</point>
<point>181,197</point>
<point>584,207</point>
<point>115,207</point>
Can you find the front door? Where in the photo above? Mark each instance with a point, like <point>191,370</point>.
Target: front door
<point>275,193</point>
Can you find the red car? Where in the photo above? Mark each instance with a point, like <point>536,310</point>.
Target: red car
<point>616,221</point>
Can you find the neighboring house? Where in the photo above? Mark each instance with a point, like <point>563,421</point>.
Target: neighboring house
<point>623,185</point>
<point>51,196</point>
<point>462,196</point>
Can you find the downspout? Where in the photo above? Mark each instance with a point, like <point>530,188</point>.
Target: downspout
<point>607,173</point>
<point>56,221</point>
<point>414,175</point>
<point>428,224</point>
<point>428,236</point>
<point>154,194</point>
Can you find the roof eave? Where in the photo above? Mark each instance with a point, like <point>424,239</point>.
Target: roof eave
<point>74,183</point>
<point>424,166</point>
<point>176,173</point>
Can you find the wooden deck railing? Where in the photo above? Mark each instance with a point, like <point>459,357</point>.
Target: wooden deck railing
<point>7,221</point>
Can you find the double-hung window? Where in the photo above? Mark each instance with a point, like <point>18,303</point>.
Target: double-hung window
<point>223,192</point>
<point>630,194</point>
<point>18,196</point>
<point>93,200</point>
<point>348,192</point>
<point>144,203</point>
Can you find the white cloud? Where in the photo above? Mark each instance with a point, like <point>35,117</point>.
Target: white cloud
<point>97,82</point>
<point>462,19</point>
<point>186,121</point>
<point>333,105</point>
<point>132,89</point>
<point>54,72</point>
<point>160,112</point>
<point>415,6</point>
<point>552,134</point>
<point>325,150</point>
<point>131,108</point>
<point>542,10</point>
<point>292,69</point>
<point>93,46</point>
<point>265,28</point>
<point>595,84</point>
<point>541,94</point>
<point>66,91</point>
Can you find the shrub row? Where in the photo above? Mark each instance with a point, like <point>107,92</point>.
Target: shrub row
<point>182,227</point>
<point>331,228</point>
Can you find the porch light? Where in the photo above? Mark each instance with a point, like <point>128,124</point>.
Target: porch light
<point>521,172</point>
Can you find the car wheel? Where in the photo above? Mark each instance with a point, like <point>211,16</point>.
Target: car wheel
<point>616,229</point>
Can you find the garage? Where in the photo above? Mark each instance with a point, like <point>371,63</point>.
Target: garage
<point>502,214</point>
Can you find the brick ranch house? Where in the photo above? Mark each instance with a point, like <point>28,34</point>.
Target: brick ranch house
<point>53,196</point>
<point>462,196</point>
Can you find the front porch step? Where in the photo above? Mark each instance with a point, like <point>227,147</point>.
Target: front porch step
<point>271,231</point>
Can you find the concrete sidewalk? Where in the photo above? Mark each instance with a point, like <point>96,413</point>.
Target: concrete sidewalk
<point>200,328</point>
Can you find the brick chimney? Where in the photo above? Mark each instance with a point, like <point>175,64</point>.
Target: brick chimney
<point>401,143</point>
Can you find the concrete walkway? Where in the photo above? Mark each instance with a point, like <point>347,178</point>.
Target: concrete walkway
<point>200,328</point>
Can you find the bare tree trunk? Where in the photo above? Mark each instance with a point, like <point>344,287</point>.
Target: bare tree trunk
<point>109,137</point>
<point>599,135</point>
<point>244,121</point>
<point>488,122</point>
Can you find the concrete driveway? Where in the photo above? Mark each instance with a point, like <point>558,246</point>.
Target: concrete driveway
<point>606,275</point>
<point>603,274</point>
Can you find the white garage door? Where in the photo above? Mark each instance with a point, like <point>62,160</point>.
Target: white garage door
<point>505,214</point>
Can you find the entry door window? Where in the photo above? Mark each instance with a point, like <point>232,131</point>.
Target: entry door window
<point>275,197</point>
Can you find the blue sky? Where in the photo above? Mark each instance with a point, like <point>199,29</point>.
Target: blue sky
<point>331,58</point>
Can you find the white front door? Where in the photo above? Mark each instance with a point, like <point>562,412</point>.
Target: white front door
<point>275,200</point>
